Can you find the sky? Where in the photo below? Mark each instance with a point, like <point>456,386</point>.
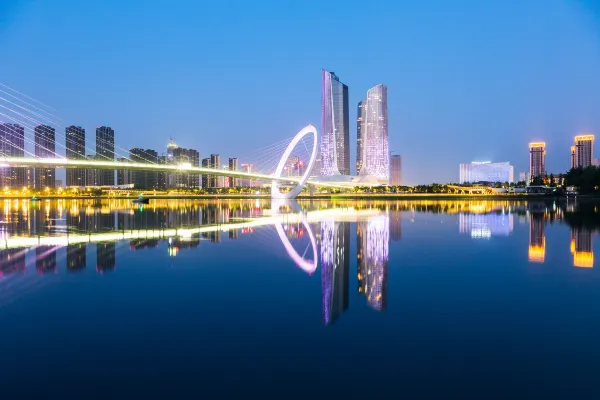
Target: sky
<point>468,80</point>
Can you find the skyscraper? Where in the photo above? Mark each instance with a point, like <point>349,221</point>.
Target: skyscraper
<point>360,117</point>
<point>335,132</point>
<point>105,151</point>
<point>374,135</point>
<point>75,145</point>
<point>395,170</point>
<point>144,179</point>
<point>12,142</point>
<point>187,157</point>
<point>233,166</point>
<point>537,159</point>
<point>205,178</point>
<point>215,163</point>
<point>44,138</point>
<point>584,151</point>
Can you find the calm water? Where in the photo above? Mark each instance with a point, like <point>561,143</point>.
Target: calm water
<point>395,299</point>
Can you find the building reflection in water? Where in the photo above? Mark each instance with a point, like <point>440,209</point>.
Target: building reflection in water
<point>105,256</point>
<point>372,259</point>
<point>537,237</point>
<point>76,256</point>
<point>12,261</point>
<point>335,269</point>
<point>484,226</point>
<point>581,247</point>
<point>45,259</point>
<point>395,225</point>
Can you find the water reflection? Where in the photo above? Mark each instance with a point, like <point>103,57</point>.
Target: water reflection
<point>313,234</point>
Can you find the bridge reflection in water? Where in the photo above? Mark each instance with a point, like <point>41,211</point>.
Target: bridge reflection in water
<point>314,234</point>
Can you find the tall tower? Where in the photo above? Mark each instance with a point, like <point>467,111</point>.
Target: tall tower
<point>233,166</point>
<point>584,151</point>
<point>215,163</point>
<point>537,159</point>
<point>12,142</point>
<point>105,151</point>
<point>335,132</point>
<point>75,145</point>
<point>374,135</point>
<point>360,117</point>
<point>44,137</point>
<point>573,156</point>
<point>395,170</point>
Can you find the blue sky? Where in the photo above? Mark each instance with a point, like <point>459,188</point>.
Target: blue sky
<point>467,79</point>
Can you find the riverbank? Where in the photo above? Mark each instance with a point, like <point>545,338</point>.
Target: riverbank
<point>349,196</point>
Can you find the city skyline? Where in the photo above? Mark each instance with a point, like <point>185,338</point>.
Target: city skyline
<point>424,104</point>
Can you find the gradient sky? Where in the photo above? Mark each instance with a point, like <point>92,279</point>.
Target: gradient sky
<point>467,79</point>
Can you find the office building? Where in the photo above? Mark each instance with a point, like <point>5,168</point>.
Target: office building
<point>105,151</point>
<point>205,178</point>
<point>91,174</point>
<point>360,117</point>
<point>44,138</point>
<point>162,177</point>
<point>215,163</point>
<point>395,170</point>
<point>144,179</point>
<point>233,166</point>
<point>537,159</point>
<point>75,150</point>
<point>486,171</point>
<point>584,151</point>
<point>335,131</point>
<point>124,176</point>
<point>374,135</point>
<point>12,144</point>
<point>186,158</point>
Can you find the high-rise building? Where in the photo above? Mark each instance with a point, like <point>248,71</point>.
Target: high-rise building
<point>44,138</point>
<point>205,178</point>
<point>75,145</point>
<point>190,158</point>
<point>395,170</point>
<point>91,174</point>
<point>215,163</point>
<point>162,176</point>
<point>144,179</point>
<point>335,132</point>
<point>12,142</point>
<point>248,169</point>
<point>359,132</point>
<point>374,135</point>
<point>486,171</point>
<point>584,151</point>
<point>105,151</point>
<point>233,166</point>
<point>537,159</point>
<point>124,175</point>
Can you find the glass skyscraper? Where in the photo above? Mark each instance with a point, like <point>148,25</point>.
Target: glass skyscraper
<point>372,135</point>
<point>44,138</point>
<point>335,131</point>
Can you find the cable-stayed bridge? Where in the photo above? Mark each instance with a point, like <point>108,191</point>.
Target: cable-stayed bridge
<point>54,149</point>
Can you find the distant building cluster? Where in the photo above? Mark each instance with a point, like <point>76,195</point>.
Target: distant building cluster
<point>582,155</point>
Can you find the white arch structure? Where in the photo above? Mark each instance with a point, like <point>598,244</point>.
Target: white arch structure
<point>309,266</point>
<point>275,193</point>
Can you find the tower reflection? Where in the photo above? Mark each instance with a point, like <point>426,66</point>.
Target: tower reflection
<point>372,260</point>
<point>335,269</point>
<point>105,256</point>
<point>45,259</point>
<point>537,237</point>
<point>581,247</point>
<point>76,256</point>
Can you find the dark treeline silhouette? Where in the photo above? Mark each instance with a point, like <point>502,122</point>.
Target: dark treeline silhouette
<point>587,180</point>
